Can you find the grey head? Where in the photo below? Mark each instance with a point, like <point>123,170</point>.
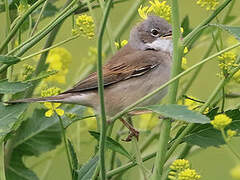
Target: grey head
<point>153,33</point>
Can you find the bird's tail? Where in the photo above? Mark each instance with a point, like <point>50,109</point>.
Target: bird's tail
<point>58,98</point>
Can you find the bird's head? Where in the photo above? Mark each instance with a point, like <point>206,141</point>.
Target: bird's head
<point>153,33</point>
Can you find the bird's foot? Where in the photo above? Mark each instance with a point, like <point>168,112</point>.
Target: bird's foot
<point>132,131</point>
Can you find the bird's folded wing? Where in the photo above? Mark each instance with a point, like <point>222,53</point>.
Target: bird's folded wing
<point>133,65</point>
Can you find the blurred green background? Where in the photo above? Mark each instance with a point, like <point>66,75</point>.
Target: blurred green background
<point>212,163</point>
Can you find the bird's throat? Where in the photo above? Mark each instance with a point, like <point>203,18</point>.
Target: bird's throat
<point>161,44</point>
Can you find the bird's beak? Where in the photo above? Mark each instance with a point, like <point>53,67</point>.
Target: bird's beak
<point>167,35</point>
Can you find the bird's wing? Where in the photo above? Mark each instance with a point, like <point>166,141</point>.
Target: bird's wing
<point>129,66</point>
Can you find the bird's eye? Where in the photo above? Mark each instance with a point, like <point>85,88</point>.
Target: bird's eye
<point>154,32</point>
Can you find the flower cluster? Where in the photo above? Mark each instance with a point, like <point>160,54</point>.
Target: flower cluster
<point>221,121</point>
<point>192,103</point>
<point>161,9</point>
<point>180,170</point>
<point>52,107</point>
<point>27,71</point>
<point>227,61</point>
<point>85,25</point>
<point>121,44</point>
<point>208,4</point>
<point>59,60</point>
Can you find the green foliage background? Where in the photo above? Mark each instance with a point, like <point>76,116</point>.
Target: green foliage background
<point>211,163</point>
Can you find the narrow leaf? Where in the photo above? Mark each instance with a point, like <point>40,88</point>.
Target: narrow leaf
<point>112,144</point>
<point>13,87</point>
<point>87,170</point>
<point>74,159</point>
<point>179,112</point>
<point>9,59</point>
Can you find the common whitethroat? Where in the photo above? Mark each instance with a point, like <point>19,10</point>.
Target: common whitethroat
<point>136,70</point>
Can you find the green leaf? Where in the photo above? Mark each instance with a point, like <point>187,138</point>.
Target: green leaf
<point>235,31</point>
<point>178,112</point>
<point>37,134</point>
<point>74,159</point>
<point>112,144</point>
<point>205,135</point>
<point>9,59</point>
<point>9,117</point>
<point>87,170</point>
<point>42,75</point>
<point>13,87</point>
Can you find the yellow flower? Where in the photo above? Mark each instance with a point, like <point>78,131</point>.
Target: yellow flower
<point>227,61</point>
<point>188,174</point>
<point>185,51</point>
<point>231,133</point>
<point>160,9</point>
<point>180,165</point>
<point>86,25</point>
<point>235,172</point>
<point>143,11</point>
<point>221,121</point>
<point>148,121</point>
<point>208,4</point>
<point>53,91</point>
<point>121,44</point>
<point>53,107</point>
<point>59,60</point>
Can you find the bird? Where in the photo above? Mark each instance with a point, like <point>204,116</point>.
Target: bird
<point>137,69</point>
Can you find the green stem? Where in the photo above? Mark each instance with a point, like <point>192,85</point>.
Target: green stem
<point>39,17</point>
<point>172,93</point>
<point>139,158</point>
<point>229,145</point>
<point>130,107</point>
<point>186,149</point>
<point>19,23</point>
<point>2,166</point>
<point>65,142</point>
<point>48,43</point>
<point>51,47</point>
<point>129,165</point>
<point>189,37</point>
<point>101,90</point>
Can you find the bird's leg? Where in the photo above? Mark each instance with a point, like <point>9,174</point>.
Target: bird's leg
<point>133,131</point>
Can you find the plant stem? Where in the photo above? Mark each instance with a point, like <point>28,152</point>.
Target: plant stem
<point>189,37</point>
<point>39,17</point>
<point>186,149</point>
<point>101,90</point>
<point>2,166</point>
<point>229,145</point>
<point>19,23</point>
<point>51,47</point>
<point>139,158</point>
<point>65,142</point>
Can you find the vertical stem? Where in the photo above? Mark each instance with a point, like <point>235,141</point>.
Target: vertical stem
<point>2,167</point>
<point>65,142</point>
<point>101,90</point>
<point>139,158</point>
<point>176,67</point>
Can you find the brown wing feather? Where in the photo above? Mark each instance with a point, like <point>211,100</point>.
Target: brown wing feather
<point>138,63</point>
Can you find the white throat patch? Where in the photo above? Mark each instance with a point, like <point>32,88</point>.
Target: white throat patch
<point>161,44</point>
